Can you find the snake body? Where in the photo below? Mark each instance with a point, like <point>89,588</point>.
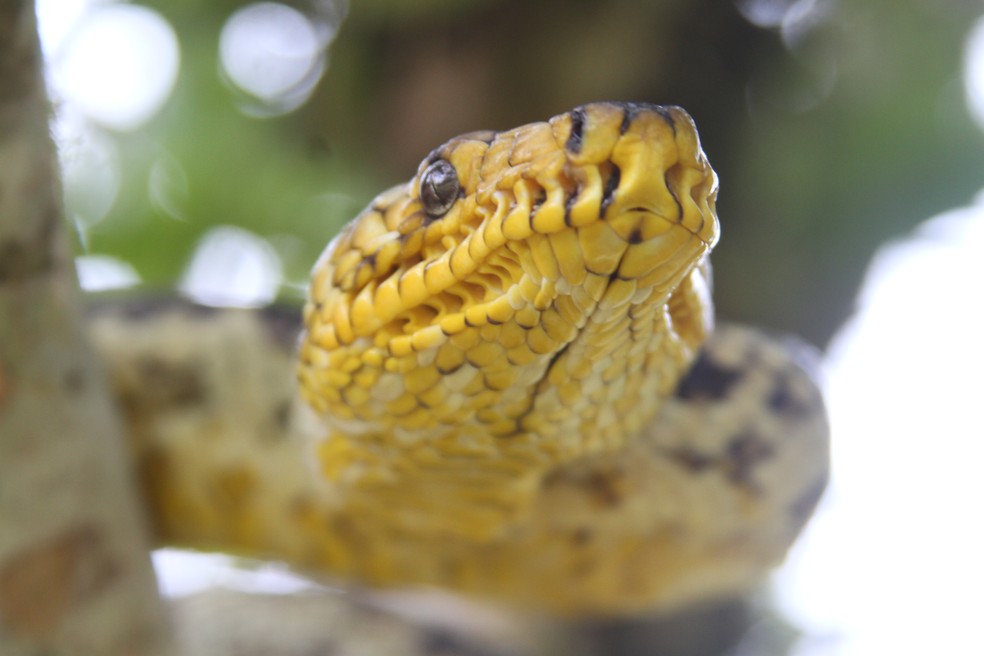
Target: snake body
<point>512,392</point>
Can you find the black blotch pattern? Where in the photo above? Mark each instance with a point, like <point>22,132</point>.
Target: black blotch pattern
<point>667,116</point>
<point>604,488</point>
<point>567,208</point>
<point>707,380</point>
<point>171,385</point>
<point>692,459</point>
<point>576,138</point>
<point>743,453</point>
<point>784,401</point>
<point>281,414</point>
<point>632,109</point>
<point>611,185</point>
<point>282,324</point>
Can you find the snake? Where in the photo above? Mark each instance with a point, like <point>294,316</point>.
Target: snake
<point>513,387</point>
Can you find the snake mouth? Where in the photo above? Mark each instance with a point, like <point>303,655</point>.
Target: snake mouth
<point>637,224</point>
<point>657,249</point>
<point>662,218</point>
<point>683,197</point>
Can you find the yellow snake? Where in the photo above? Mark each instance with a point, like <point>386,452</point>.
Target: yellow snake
<point>492,347</point>
<point>528,298</point>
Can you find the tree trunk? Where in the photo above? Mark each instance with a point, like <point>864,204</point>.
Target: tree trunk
<point>75,577</point>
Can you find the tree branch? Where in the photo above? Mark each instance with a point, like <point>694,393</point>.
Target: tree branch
<point>210,404</point>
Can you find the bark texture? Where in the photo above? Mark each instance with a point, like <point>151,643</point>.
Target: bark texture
<point>75,577</point>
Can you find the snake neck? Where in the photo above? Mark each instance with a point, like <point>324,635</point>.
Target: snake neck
<point>471,464</point>
<point>606,385</point>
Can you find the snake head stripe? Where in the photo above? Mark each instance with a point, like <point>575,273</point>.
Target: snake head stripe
<point>528,297</point>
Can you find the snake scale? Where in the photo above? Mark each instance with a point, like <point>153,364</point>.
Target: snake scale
<point>511,389</point>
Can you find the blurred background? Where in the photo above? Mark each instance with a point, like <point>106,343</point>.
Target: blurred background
<point>217,146</point>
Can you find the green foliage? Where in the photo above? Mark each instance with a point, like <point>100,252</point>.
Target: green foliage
<point>830,135</point>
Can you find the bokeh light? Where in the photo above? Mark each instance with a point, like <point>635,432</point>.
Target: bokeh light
<point>272,52</point>
<point>56,20</point>
<point>190,573</point>
<point>167,186</point>
<point>99,273</point>
<point>974,72</point>
<point>91,170</point>
<point>898,540</point>
<point>117,64</point>
<point>232,267</point>
<point>891,563</point>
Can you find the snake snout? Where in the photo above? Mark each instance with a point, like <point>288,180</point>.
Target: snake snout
<point>653,169</point>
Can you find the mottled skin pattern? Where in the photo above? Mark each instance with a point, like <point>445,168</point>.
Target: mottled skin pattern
<point>496,350</point>
<point>462,347</point>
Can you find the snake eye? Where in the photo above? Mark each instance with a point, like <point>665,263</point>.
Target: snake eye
<point>439,188</point>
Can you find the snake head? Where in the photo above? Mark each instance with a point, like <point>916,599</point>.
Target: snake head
<point>542,284</point>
